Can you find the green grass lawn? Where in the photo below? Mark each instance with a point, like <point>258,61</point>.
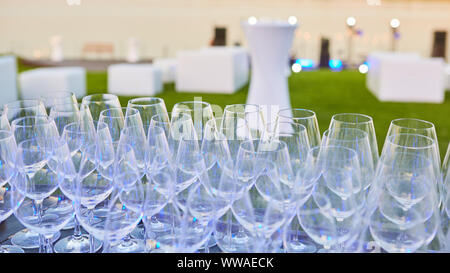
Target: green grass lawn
<point>324,92</point>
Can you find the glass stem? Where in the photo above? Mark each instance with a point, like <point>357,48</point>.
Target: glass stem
<point>91,238</point>
<point>77,229</point>
<point>39,210</point>
<point>48,244</point>
<point>229,226</point>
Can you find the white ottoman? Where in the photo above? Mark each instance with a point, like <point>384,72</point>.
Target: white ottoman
<point>168,68</point>
<point>134,79</point>
<point>36,82</point>
<point>212,70</point>
<point>8,79</point>
<point>406,78</point>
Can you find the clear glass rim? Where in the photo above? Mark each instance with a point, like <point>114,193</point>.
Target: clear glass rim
<point>428,146</point>
<point>188,103</point>
<point>124,110</point>
<point>137,102</point>
<point>17,104</point>
<point>428,125</point>
<point>256,142</point>
<point>231,108</point>
<point>326,149</point>
<point>70,128</point>
<point>360,137</point>
<point>97,98</point>
<point>275,125</point>
<point>156,118</point>
<point>18,122</point>
<point>354,115</point>
<point>311,113</point>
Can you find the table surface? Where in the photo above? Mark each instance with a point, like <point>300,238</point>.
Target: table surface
<point>11,225</point>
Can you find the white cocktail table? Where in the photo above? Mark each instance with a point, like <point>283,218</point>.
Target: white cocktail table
<point>269,43</point>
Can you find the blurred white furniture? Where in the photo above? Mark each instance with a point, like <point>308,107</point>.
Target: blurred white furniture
<point>212,70</point>
<point>133,50</point>
<point>269,43</point>
<point>405,77</point>
<point>36,82</point>
<point>134,79</point>
<point>56,50</point>
<point>168,68</point>
<point>8,79</point>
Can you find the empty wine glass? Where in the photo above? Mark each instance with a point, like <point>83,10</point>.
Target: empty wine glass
<point>305,117</point>
<point>76,139</point>
<point>361,122</point>
<point>200,112</point>
<point>406,203</point>
<point>7,172</point>
<point>149,107</point>
<point>22,108</point>
<point>99,102</point>
<point>92,189</point>
<point>315,218</point>
<point>357,140</point>
<point>340,182</point>
<point>25,128</point>
<point>296,138</point>
<point>42,210</point>
<point>241,122</point>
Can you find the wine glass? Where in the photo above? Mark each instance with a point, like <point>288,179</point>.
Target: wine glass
<point>241,122</point>
<point>92,189</point>
<point>131,194</point>
<point>404,215</point>
<point>7,172</point>
<point>340,181</point>
<point>361,122</point>
<point>25,128</point>
<point>22,108</point>
<point>419,127</point>
<point>76,139</point>
<point>357,140</point>
<point>259,215</point>
<point>43,210</point>
<point>99,102</point>
<point>305,117</point>
<point>149,107</point>
<point>200,112</point>
<point>51,99</point>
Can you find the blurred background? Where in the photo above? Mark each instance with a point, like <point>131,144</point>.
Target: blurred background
<point>328,71</point>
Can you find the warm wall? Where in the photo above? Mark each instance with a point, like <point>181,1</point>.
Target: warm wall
<point>165,26</point>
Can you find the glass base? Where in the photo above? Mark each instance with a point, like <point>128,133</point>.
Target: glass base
<point>10,249</point>
<point>234,244</point>
<point>74,244</point>
<point>28,239</point>
<point>130,246</point>
<point>301,247</point>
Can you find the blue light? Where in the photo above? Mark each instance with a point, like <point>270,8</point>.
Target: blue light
<point>335,64</point>
<point>305,63</point>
